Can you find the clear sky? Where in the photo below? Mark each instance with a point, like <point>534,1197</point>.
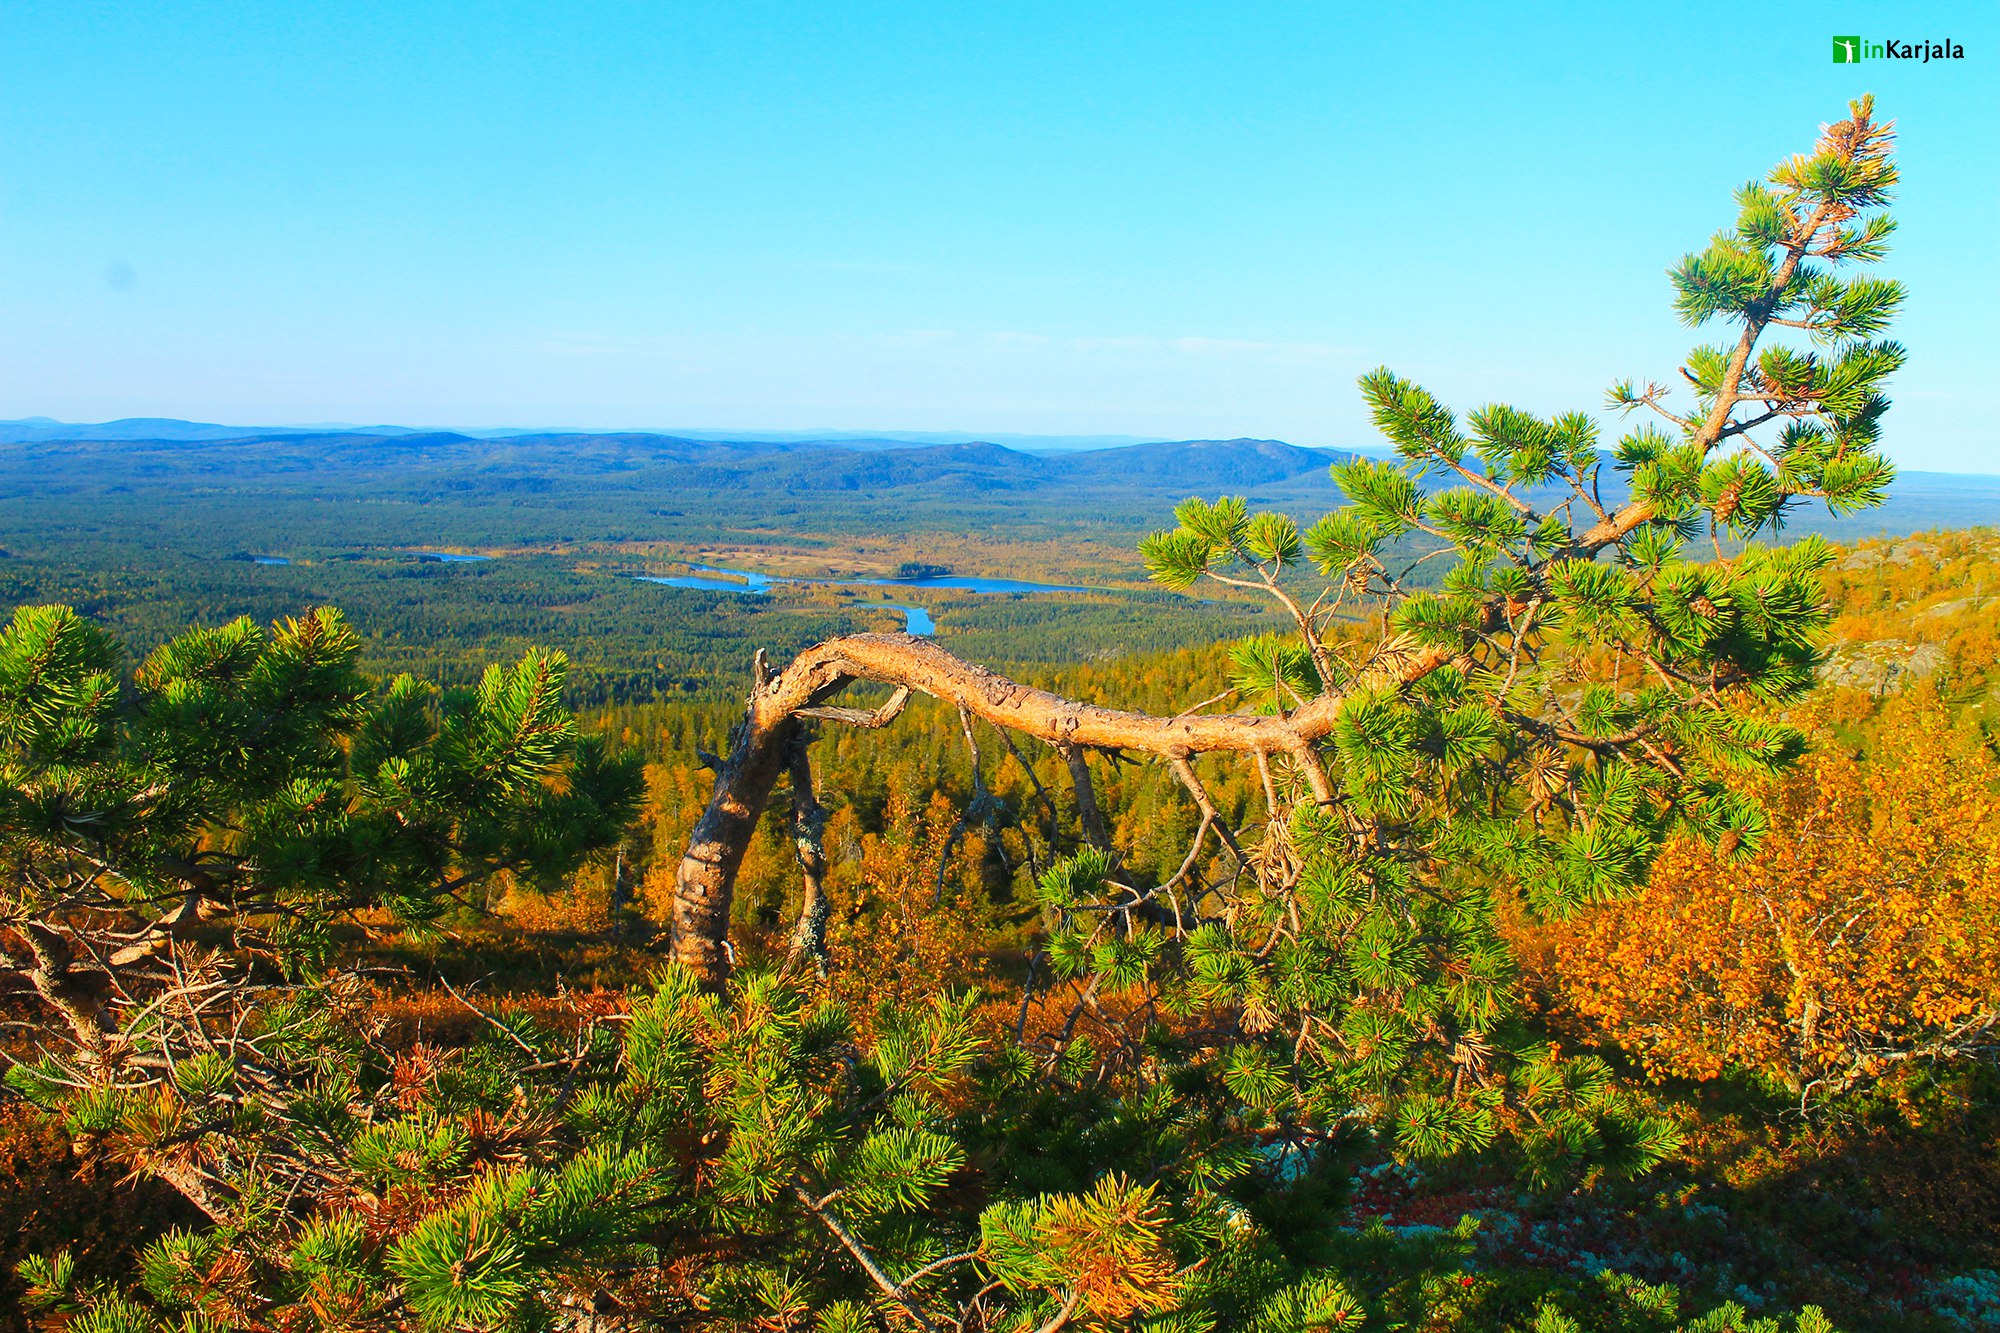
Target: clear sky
<point>1171,219</point>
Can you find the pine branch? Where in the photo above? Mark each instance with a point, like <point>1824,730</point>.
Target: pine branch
<point>887,1285</point>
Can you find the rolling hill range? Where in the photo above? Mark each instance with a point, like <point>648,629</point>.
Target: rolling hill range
<point>445,488</point>
<point>30,429</point>
<point>833,465</point>
<point>387,486</point>
<point>151,534</point>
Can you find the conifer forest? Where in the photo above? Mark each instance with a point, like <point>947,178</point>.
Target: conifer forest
<point>1533,873</point>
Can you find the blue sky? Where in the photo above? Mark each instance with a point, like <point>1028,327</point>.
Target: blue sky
<point>1166,219</point>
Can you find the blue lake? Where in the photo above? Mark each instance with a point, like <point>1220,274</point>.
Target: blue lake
<point>746,583</point>
<point>749,583</point>
<point>711,576</point>
<point>451,556</point>
<point>269,560</point>
<point>964,584</point>
<point>916,620</point>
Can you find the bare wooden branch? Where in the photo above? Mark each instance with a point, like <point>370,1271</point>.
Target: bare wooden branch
<point>862,717</point>
<point>1035,780</point>
<point>705,882</point>
<point>1089,817</point>
<point>980,808</point>
<point>1192,781</point>
<point>887,1285</point>
<point>809,842</point>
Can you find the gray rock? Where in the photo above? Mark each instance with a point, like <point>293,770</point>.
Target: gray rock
<point>1903,553</point>
<point>1957,606</point>
<point>1884,667</point>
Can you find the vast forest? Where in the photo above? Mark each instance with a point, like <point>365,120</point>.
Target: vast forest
<point>149,536</point>
<point>1524,878</point>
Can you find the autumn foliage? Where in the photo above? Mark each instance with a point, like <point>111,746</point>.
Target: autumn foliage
<point>1864,932</point>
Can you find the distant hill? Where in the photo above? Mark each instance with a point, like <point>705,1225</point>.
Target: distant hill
<point>642,485</point>
<point>30,429</point>
<point>1198,463</point>
<point>777,466</point>
<point>1918,502</point>
<point>324,495</point>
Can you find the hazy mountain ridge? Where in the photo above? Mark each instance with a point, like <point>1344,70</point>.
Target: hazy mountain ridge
<point>26,430</point>
<point>705,484</point>
<point>784,466</point>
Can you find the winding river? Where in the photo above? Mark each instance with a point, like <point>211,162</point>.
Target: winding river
<point>749,583</point>
<point>916,619</point>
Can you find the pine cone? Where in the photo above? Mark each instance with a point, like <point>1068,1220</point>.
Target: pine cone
<point>1729,501</point>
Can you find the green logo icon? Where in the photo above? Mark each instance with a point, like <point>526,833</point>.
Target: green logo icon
<point>1847,50</point>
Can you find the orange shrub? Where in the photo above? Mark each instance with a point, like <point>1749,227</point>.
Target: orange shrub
<point>50,1199</point>
<point>1864,931</point>
<point>907,921</point>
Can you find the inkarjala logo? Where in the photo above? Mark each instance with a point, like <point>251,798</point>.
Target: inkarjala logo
<point>1852,51</point>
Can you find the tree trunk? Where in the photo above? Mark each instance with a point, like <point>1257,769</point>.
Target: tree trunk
<point>705,884</point>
